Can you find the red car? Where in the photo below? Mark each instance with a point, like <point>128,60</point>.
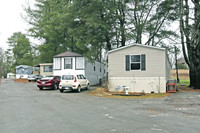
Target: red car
<point>49,82</point>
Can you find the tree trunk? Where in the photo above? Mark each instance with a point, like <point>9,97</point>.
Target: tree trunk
<point>175,49</point>
<point>197,85</point>
<point>192,75</point>
<point>108,45</point>
<point>195,44</point>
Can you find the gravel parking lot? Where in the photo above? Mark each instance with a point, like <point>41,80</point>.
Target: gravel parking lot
<point>25,109</point>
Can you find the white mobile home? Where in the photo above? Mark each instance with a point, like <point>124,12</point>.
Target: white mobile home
<point>22,71</point>
<point>141,68</point>
<point>73,63</point>
<point>10,76</point>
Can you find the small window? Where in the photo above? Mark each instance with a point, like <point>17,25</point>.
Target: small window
<point>80,63</point>
<point>94,68</point>
<point>57,63</point>
<point>48,69</point>
<point>68,63</point>
<point>135,62</point>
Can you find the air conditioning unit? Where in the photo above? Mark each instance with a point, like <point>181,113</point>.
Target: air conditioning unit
<point>171,85</point>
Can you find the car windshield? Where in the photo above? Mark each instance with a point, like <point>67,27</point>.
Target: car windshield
<point>67,77</point>
<point>48,77</point>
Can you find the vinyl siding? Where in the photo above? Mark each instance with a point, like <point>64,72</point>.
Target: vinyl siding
<point>155,62</point>
<point>94,76</point>
<point>168,67</point>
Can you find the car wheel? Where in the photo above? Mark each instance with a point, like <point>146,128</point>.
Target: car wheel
<point>55,86</point>
<point>79,89</point>
<point>41,88</point>
<point>88,87</point>
<point>61,91</point>
<point>29,81</point>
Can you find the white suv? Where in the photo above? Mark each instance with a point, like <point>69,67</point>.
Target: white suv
<point>73,82</point>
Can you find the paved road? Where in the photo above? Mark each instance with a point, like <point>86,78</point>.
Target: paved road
<point>25,109</point>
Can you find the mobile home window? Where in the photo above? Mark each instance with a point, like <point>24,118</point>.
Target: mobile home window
<point>135,62</point>
<point>48,69</point>
<point>79,62</point>
<point>57,63</point>
<point>68,63</point>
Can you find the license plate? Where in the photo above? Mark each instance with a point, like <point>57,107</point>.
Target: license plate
<point>43,82</point>
<point>66,87</point>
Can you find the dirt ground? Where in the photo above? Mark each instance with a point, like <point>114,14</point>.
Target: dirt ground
<point>186,89</point>
<point>102,92</point>
<point>21,80</point>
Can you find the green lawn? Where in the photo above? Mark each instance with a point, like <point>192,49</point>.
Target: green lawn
<point>185,81</point>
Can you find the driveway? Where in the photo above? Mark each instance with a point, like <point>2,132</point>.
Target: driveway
<point>25,109</point>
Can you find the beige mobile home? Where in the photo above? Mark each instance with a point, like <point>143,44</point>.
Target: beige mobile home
<point>46,69</point>
<point>141,68</point>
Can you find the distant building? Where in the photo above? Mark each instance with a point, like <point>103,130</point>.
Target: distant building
<point>10,76</point>
<point>22,71</point>
<point>181,61</point>
<point>182,64</point>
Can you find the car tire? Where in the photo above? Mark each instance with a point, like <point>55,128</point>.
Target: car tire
<point>61,91</point>
<point>88,87</point>
<point>55,86</point>
<point>41,88</point>
<point>79,89</point>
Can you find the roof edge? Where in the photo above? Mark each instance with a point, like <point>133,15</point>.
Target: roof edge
<point>136,44</point>
<point>68,54</point>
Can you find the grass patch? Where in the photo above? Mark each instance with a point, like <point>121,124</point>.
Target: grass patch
<point>185,82</point>
<point>101,93</point>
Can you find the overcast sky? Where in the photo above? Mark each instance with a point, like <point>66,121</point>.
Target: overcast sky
<point>11,20</point>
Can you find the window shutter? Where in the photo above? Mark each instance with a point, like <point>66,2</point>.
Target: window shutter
<point>143,61</point>
<point>127,62</point>
<point>71,63</point>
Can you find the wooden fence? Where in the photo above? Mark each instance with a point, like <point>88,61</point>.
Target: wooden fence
<point>182,73</point>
